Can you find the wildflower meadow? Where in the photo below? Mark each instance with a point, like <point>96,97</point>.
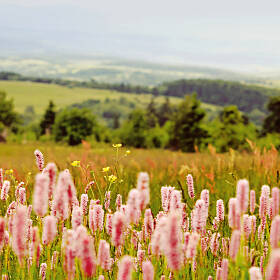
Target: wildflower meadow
<point>166,216</point>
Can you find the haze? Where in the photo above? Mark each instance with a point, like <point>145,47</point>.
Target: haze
<point>237,35</point>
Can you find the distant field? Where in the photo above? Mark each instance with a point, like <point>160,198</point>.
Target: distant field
<point>38,96</point>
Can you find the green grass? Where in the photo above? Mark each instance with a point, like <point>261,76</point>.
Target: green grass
<point>216,172</point>
<point>38,95</point>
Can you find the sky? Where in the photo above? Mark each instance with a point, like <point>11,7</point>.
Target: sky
<point>240,35</point>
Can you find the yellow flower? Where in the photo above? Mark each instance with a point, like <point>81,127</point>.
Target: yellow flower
<point>106,169</point>
<point>9,171</point>
<point>127,152</point>
<point>112,178</point>
<point>117,145</point>
<point>76,163</point>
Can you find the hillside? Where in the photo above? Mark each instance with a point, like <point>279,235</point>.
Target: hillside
<point>250,99</point>
<point>114,70</point>
<point>218,92</point>
<point>100,101</point>
<point>246,97</point>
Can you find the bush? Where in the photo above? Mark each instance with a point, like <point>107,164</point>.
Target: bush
<point>74,125</point>
<point>156,137</point>
<point>134,129</point>
<point>231,130</point>
<point>268,140</point>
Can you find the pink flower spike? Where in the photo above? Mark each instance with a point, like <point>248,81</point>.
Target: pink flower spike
<point>265,193</point>
<point>5,190</point>
<point>199,216</point>
<point>224,267</point>
<point>77,217</point>
<point>263,206</point>
<point>148,270</point>
<point>104,258</point>
<point>96,218</point>
<point>22,195</point>
<point>176,201</point>
<point>51,171</point>
<point>118,228</point>
<point>275,232</point>
<point>140,256</point>
<point>20,185</point>
<point>43,271</point>
<point>107,200</point>
<point>144,190</point>
<point>49,229</point>
<point>125,268</point>
<point>234,214</point>
<point>172,240</point>
<point>39,160</point>
<point>148,223</point>
<point>242,195</point>
<point>220,210</point>
<point>246,225</point>
<point>219,273</point>
<point>255,273</point>
<point>87,254</point>
<point>2,231</point>
<point>84,203</point>
<point>40,195</point>
<point>60,203</point>
<point>205,196</point>
<point>234,244</point>
<point>118,201</point>
<point>109,223</point>
<point>19,232</point>
<point>252,201</point>
<point>133,212</point>
<point>214,243</point>
<point>54,259</point>
<point>190,186</point>
<point>273,267</point>
<point>253,220</point>
<point>276,201</point>
<point>192,245</point>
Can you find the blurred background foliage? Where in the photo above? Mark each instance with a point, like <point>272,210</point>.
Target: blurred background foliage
<point>185,124</point>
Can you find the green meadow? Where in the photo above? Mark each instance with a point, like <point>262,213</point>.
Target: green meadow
<point>38,95</point>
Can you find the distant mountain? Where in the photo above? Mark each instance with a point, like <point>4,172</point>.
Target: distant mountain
<point>114,70</point>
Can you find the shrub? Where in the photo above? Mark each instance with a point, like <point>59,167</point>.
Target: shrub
<point>74,125</point>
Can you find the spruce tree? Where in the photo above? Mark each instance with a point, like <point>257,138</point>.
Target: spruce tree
<point>187,132</point>
<point>48,119</point>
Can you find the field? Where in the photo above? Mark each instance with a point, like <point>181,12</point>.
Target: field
<point>38,95</point>
<point>183,242</point>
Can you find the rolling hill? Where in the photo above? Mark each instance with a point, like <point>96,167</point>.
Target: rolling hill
<point>114,70</point>
<point>38,95</point>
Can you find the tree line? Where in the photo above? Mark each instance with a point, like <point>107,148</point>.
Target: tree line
<point>178,127</point>
<point>218,92</point>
